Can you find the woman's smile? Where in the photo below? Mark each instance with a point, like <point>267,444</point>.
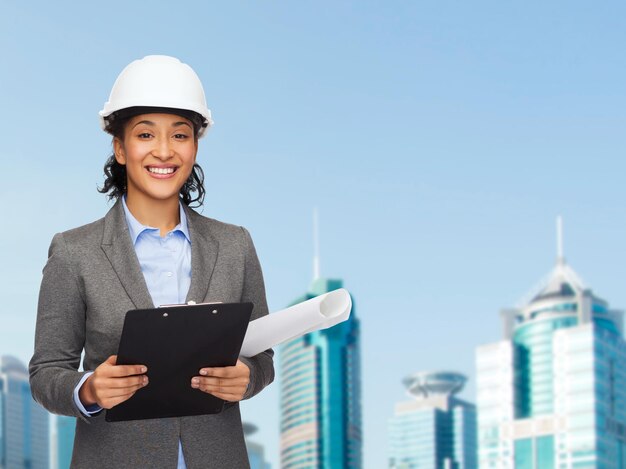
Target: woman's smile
<point>162,171</point>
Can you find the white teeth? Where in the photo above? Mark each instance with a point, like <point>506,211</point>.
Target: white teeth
<point>161,170</point>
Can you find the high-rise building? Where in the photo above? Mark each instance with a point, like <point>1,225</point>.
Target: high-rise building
<point>435,429</point>
<point>321,394</point>
<point>62,441</point>
<point>23,422</point>
<point>552,394</point>
<point>256,452</point>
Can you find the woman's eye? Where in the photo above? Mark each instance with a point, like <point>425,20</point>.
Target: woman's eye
<point>180,136</point>
<point>144,135</point>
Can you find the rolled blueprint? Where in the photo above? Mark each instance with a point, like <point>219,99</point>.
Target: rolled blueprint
<point>318,313</point>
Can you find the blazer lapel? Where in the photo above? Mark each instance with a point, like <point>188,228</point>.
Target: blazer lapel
<point>204,250</point>
<point>118,248</point>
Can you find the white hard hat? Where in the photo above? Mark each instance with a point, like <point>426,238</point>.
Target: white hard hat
<point>158,81</point>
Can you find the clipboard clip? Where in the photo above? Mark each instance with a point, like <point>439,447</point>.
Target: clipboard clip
<point>191,303</point>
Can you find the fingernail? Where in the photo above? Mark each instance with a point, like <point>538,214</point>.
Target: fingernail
<point>195,381</point>
<point>144,369</point>
<point>204,372</point>
<point>145,380</point>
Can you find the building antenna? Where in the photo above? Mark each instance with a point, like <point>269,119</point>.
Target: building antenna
<point>316,245</point>
<point>559,240</point>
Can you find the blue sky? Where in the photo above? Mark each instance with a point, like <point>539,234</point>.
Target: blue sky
<point>439,141</point>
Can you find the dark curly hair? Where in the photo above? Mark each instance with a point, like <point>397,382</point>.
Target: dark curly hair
<point>192,191</point>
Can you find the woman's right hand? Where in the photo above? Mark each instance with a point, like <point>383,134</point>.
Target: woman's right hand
<point>112,384</point>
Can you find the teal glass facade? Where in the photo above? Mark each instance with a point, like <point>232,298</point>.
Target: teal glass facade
<point>414,437</point>
<point>321,394</point>
<point>464,444</point>
<point>554,396</point>
<point>65,428</point>
<point>535,453</point>
<point>534,375</point>
<point>533,367</point>
<point>432,438</point>
<point>524,454</point>
<point>435,430</point>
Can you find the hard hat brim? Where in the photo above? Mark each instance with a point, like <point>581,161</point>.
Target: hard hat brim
<point>198,120</point>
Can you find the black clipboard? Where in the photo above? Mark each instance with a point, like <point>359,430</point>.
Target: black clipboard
<point>174,342</point>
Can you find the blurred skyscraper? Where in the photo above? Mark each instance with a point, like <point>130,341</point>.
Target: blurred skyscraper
<point>552,394</point>
<point>62,441</point>
<point>256,453</point>
<point>24,423</point>
<point>434,430</point>
<point>321,394</point>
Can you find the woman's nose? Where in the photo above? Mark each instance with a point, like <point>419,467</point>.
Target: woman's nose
<point>162,148</point>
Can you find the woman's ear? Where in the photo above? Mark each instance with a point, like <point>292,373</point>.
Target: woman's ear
<point>118,148</point>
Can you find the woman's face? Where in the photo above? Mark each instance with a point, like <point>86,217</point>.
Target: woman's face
<point>159,151</point>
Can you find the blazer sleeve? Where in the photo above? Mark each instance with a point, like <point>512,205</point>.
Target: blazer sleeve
<point>59,333</point>
<point>261,365</point>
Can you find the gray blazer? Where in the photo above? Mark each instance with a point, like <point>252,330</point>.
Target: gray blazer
<point>92,278</point>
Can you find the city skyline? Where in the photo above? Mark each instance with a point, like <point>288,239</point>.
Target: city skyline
<point>438,140</point>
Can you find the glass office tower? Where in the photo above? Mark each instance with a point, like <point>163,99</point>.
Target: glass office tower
<point>434,430</point>
<point>321,394</point>
<point>552,394</point>
<point>23,423</point>
<point>62,441</point>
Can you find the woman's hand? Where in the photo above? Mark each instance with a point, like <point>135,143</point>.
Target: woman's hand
<point>228,382</point>
<point>112,384</point>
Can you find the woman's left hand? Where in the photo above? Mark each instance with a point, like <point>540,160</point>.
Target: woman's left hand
<point>228,382</point>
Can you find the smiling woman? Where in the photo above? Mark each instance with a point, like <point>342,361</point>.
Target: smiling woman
<point>150,249</point>
<point>124,124</point>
